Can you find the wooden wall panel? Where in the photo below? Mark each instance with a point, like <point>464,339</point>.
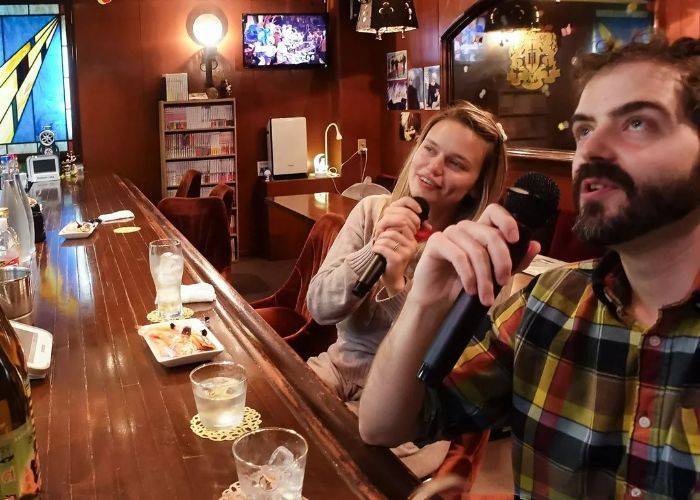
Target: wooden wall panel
<point>123,48</point>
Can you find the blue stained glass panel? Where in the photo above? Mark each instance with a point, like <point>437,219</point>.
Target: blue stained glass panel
<point>47,103</point>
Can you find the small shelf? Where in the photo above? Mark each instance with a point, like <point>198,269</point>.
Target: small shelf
<point>190,158</point>
<point>195,130</point>
<point>206,184</point>
<point>198,102</point>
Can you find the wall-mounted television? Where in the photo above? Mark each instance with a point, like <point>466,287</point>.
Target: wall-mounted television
<point>285,40</point>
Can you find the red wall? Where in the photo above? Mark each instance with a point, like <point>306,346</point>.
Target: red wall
<point>123,49</point>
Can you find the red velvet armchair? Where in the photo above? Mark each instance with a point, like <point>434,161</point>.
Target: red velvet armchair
<point>226,193</point>
<point>190,185</point>
<point>204,223</point>
<point>286,310</point>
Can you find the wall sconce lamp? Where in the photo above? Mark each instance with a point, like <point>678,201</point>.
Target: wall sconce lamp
<point>322,162</point>
<point>207,27</point>
<point>386,16</point>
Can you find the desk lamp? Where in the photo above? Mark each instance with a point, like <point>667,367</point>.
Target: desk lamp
<point>338,137</point>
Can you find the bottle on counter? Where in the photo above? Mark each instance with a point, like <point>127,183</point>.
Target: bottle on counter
<point>19,464</point>
<point>20,215</point>
<point>11,170</point>
<point>9,243</point>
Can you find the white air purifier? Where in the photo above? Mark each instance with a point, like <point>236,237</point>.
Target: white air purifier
<point>286,146</point>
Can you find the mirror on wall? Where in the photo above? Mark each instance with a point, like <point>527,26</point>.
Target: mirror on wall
<point>514,58</point>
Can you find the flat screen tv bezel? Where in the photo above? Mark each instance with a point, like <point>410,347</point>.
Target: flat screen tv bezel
<point>324,15</point>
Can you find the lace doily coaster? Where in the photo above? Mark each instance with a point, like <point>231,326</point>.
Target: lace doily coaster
<point>234,492</point>
<point>155,317</point>
<point>251,422</point>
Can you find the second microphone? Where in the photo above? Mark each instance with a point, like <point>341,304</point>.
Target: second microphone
<point>377,265</point>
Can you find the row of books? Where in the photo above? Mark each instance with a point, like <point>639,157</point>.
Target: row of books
<point>213,171</point>
<point>199,144</point>
<point>196,117</point>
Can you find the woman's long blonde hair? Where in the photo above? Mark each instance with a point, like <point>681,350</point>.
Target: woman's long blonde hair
<point>493,169</point>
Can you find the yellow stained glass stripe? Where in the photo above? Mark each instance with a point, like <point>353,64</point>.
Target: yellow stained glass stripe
<point>7,128</point>
<point>46,27</point>
<point>11,64</point>
<point>36,50</point>
<point>7,92</point>
<point>25,89</point>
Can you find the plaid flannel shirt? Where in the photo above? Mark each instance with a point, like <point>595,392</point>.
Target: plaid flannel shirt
<point>599,405</point>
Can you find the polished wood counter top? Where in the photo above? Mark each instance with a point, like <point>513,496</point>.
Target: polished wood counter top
<point>313,206</point>
<point>112,422</point>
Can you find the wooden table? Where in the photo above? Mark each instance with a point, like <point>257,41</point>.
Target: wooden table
<point>112,422</point>
<point>290,218</point>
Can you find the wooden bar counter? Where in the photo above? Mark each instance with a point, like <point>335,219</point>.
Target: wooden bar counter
<point>113,423</point>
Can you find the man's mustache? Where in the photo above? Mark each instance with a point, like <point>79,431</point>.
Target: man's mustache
<point>603,170</point>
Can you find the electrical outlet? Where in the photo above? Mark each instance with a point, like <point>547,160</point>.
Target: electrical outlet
<point>362,145</point>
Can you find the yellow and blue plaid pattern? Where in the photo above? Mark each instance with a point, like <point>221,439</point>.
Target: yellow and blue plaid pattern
<point>599,406</point>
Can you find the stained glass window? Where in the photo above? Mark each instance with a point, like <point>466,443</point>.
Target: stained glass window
<point>34,76</point>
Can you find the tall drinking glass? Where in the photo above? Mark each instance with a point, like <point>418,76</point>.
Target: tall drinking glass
<point>165,258</point>
<point>270,463</point>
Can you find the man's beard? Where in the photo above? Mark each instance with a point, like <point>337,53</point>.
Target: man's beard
<point>649,207</point>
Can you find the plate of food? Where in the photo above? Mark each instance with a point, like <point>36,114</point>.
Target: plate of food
<point>76,230</point>
<point>181,342</point>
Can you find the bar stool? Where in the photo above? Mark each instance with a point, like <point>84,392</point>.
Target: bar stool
<point>204,223</point>
<point>190,185</point>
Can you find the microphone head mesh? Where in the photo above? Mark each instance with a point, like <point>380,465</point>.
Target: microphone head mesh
<point>533,200</point>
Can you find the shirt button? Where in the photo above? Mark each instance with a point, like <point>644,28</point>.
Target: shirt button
<point>636,492</point>
<point>644,422</point>
<point>654,341</point>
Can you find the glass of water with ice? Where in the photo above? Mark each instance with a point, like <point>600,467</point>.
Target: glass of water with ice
<point>166,262</point>
<point>219,392</point>
<point>270,463</point>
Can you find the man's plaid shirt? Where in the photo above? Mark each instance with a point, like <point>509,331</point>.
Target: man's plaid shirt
<point>599,405</point>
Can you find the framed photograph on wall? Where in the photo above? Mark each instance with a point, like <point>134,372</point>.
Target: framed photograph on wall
<point>415,89</point>
<point>432,87</point>
<point>396,95</point>
<point>397,65</point>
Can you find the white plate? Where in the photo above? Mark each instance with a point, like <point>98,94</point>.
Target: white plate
<point>197,326</point>
<point>71,232</point>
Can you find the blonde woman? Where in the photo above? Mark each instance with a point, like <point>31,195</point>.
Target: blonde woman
<point>458,165</point>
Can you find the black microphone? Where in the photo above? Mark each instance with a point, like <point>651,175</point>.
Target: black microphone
<point>377,265</point>
<point>533,204</point>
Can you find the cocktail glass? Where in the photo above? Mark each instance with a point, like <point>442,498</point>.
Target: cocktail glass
<point>167,264</point>
<point>270,463</point>
<point>219,392</point>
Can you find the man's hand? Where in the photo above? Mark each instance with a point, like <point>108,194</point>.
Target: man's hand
<point>463,256</point>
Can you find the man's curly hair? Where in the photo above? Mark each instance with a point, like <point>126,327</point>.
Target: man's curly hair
<point>682,55</point>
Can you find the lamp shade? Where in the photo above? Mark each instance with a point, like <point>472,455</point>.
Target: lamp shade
<point>208,30</point>
<point>387,16</point>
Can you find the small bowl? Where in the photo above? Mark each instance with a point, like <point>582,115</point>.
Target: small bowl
<point>16,294</point>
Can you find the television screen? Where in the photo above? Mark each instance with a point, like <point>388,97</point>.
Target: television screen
<point>284,40</point>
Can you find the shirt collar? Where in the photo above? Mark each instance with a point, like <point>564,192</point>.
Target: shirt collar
<point>612,288</point>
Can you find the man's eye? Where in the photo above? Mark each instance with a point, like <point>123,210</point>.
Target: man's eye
<point>429,149</point>
<point>582,131</point>
<point>637,124</point>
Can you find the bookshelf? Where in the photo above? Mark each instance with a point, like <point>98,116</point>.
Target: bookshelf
<point>200,135</point>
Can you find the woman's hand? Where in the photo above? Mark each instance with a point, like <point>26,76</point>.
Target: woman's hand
<point>462,256</point>
<point>395,240</point>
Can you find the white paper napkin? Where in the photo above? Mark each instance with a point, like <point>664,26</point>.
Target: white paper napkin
<point>199,292</point>
<point>121,214</point>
